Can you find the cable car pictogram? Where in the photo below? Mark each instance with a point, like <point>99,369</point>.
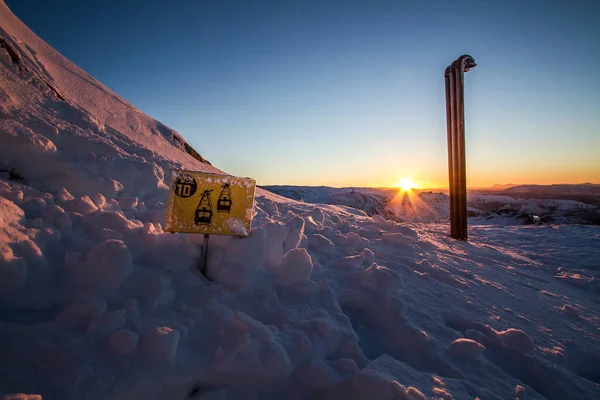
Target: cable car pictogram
<point>204,211</point>
<point>224,202</point>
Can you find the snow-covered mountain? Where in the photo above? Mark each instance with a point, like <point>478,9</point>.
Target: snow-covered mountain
<point>560,189</point>
<point>427,206</point>
<point>321,301</point>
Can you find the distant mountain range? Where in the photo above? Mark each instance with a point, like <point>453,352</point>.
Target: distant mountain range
<point>554,189</point>
<point>588,193</point>
<point>511,187</point>
<point>501,187</point>
<point>553,204</point>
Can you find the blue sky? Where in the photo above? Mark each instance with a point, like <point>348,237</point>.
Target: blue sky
<point>350,93</point>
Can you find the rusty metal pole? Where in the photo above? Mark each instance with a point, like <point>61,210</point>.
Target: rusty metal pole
<point>449,78</point>
<point>455,120</point>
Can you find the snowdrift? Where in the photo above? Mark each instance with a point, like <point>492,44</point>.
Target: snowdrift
<point>322,301</point>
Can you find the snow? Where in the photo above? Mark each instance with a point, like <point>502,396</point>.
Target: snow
<point>161,342</point>
<point>236,225</point>
<point>516,339</point>
<point>106,265</point>
<point>123,341</point>
<point>321,301</point>
<point>467,349</point>
<point>296,267</point>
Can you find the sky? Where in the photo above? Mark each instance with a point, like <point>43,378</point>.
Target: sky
<point>350,93</point>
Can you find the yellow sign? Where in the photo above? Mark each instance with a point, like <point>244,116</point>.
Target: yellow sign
<point>209,203</point>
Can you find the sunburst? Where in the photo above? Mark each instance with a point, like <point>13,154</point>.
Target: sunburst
<point>406,184</point>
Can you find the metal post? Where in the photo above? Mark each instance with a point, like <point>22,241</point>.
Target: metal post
<point>449,78</point>
<point>204,255</point>
<point>455,124</point>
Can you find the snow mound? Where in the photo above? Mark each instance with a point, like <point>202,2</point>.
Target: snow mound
<point>516,339</point>
<point>466,348</point>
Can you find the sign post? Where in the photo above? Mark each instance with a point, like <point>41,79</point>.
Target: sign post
<point>209,204</point>
<point>204,254</point>
<point>455,118</point>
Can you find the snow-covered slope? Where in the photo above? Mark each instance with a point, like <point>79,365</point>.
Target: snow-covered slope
<point>321,301</point>
<point>59,126</point>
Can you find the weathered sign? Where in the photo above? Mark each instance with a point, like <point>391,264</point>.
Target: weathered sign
<point>209,204</point>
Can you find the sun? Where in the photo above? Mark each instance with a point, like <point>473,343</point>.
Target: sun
<point>406,184</point>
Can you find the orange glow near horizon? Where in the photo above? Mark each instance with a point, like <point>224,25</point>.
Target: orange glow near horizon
<point>424,179</point>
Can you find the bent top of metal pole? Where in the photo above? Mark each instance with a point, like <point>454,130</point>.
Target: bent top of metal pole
<point>464,63</point>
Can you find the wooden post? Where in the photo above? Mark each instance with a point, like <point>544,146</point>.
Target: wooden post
<point>455,124</point>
